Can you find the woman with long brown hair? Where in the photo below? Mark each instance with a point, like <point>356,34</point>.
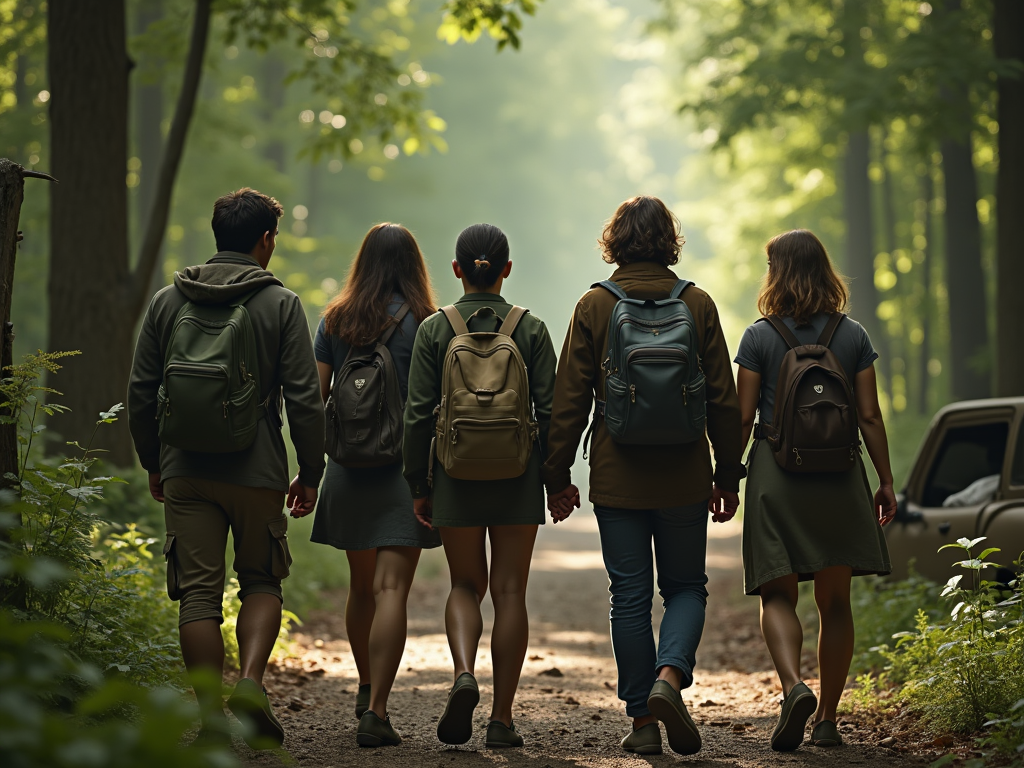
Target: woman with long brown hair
<point>803,525</point>
<point>368,511</point>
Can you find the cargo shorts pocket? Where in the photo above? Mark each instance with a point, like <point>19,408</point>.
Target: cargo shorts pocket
<point>173,569</point>
<point>280,556</point>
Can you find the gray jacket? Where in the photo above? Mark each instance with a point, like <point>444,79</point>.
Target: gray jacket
<point>287,368</point>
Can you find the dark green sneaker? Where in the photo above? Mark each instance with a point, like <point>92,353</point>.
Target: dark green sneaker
<point>825,734</point>
<point>362,700</point>
<point>374,732</point>
<point>645,740</point>
<point>500,735</point>
<point>215,732</point>
<point>456,724</point>
<point>666,704</point>
<point>249,703</point>
<point>797,709</point>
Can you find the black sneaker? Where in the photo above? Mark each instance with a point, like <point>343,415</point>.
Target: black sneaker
<point>362,700</point>
<point>500,736</point>
<point>456,724</point>
<point>645,740</point>
<point>797,709</point>
<point>666,704</point>
<point>249,703</point>
<point>374,732</point>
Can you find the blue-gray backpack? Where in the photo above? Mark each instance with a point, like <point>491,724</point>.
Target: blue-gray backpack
<point>654,385</point>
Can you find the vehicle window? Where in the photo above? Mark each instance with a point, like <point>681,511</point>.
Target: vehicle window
<point>967,455</point>
<point>1017,470</point>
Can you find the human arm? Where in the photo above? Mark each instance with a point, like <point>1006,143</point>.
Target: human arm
<point>748,389</point>
<point>571,406</point>
<point>542,381</point>
<point>419,419</point>
<point>143,385</point>
<point>872,429</point>
<point>723,417</point>
<point>300,385</point>
<point>326,373</point>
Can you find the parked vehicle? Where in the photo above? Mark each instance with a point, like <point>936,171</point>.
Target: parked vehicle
<point>967,481</point>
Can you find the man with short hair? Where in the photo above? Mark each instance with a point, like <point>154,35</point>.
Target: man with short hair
<point>207,494</point>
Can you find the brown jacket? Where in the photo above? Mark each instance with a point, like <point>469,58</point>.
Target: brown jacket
<point>637,476</point>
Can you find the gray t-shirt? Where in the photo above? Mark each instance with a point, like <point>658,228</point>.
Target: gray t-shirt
<point>762,348</point>
<point>331,350</point>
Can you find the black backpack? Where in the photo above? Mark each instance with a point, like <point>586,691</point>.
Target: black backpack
<point>364,411</point>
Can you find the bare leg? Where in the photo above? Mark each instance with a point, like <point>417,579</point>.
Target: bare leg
<point>360,607</point>
<point>259,623</point>
<point>511,552</point>
<point>835,641</point>
<point>467,562</point>
<point>396,567</point>
<point>202,648</point>
<point>781,628</point>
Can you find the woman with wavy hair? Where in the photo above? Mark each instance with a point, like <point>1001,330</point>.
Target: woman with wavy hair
<point>367,512</point>
<point>802,526</point>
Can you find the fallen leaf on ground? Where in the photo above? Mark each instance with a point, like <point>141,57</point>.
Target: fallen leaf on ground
<point>553,672</point>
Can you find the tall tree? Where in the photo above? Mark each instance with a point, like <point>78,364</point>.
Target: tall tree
<point>96,295</point>
<point>1008,26</point>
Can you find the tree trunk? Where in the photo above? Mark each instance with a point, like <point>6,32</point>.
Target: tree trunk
<point>88,74</point>
<point>95,299</point>
<point>12,192</point>
<point>924,375</point>
<point>148,103</point>
<point>1008,25</point>
<point>860,251</point>
<point>273,93</point>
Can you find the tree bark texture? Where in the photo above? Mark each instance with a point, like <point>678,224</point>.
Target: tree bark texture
<point>12,192</point>
<point>95,299</point>
<point>1008,25</point>
<point>924,375</point>
<point>148,105</point>
<point>860,250</point>
<point>88,73</point>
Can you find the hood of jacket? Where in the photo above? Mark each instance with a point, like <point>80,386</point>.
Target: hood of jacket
<point>224,278</point>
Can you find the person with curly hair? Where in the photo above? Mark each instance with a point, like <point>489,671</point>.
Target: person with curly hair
<point>648,494</point>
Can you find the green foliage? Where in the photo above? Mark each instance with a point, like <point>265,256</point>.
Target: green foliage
<point>468,18</point>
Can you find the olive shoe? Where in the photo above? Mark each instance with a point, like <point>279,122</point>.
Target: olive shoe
<point>500,735</point>
<point>797,709</point>
<point>249,703</point>
<point>362,700</point>
<point>645,740</point>
<point>374,732</point>
<point>825,734</point>
<point>666,704</point>
<point>456,724</point>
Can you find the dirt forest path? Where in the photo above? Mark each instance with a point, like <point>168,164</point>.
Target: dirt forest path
<point>567,709</point>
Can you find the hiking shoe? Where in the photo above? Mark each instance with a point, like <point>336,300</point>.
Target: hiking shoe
<point>645,740</point>
<point>797,709</point>
<point>362,700</point>
<point>825,734</point>
<point>456,724</point>
<point>374,732</point>
<point>214,733</point>
<point>666,704</point>
<point>500,735</point>
<point>249,703</point>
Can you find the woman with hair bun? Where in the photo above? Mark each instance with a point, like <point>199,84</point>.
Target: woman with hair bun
<point>809,525</point>
<point>469,512</point>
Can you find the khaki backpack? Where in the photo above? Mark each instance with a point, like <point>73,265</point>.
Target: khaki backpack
<point>814,426</point>
<point>485,427</point>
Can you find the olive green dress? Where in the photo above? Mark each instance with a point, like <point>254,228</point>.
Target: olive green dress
<point>802,523</point>
<point>468,503</point>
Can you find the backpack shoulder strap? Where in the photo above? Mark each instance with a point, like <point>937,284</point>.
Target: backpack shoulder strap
<point>830,328</point>
<point>790,338</point>
<point>512,320</point>
<point>399,316</point>
<point>241,300</point>
<point>680,286</point>
<point>458,324</point>
<point>608,285</point>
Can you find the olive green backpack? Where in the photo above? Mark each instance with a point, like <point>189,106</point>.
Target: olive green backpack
<point>485,426</point>
<point>209,401</point>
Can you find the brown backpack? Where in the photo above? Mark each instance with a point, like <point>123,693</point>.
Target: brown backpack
<point>485,427</point>
<point>815,420</point>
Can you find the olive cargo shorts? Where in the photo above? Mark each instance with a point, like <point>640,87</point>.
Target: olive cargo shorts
<point>198,515</point>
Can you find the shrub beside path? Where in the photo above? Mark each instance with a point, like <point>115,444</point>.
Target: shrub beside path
<point>567,709</point>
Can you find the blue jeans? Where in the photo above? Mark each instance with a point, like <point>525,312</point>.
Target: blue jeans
<point>680,538</point>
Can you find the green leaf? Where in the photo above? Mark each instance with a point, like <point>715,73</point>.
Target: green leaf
<point>977,541</point>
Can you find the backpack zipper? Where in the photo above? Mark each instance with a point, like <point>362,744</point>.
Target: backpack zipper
<point>197,369</point>
<point>799,460</point>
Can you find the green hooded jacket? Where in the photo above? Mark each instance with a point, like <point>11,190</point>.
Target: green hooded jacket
<point>286,365</point>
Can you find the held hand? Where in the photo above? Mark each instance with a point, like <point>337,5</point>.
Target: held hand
<point>424,511</point>
<point>885,504</point>
<point>723,505</point>
<point>301,499</point>
<point>156,486</point>
<point>561,504</point>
